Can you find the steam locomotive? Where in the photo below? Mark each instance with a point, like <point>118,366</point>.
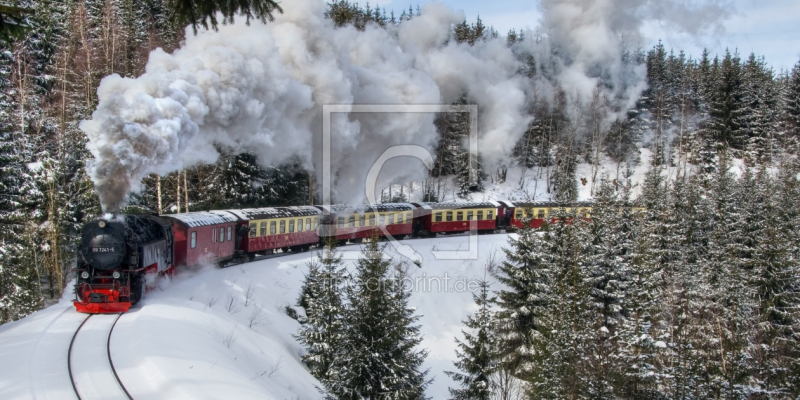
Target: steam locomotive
<point>117,254</point>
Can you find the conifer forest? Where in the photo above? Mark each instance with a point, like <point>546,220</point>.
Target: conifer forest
<point>685,285</point>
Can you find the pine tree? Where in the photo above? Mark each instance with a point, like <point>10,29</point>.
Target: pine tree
<point>561,368</point>
<point>773,277</point>
<point>791,99</point>
<point>322,326</point>
<point>476,360</point>
<point>727,104</point>
<point>608,270</point>
<point>377,356</point>
<point>521,306</point>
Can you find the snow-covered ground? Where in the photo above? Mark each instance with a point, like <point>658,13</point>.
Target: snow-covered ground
<point>192,338</point>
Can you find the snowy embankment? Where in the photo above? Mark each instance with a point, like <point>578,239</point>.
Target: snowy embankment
<point>192,337</point>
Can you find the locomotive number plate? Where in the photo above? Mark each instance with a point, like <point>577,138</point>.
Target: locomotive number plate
<point>102,249</point>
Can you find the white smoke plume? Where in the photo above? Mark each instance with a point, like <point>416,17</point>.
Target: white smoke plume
<point>261,88</point>
<point>580,43</point>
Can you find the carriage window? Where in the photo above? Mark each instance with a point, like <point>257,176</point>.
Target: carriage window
<point>194,238</point>
<point>480,215</point>
<point>340,222</point>
<point>408,217</point>
<point>272,227</point>
<point>300,225</point>
<point>229,233</point>
<point>438,217</point>
<point>400,218</point>
<point>372,220</point>
<point>449,215</point>
<point>470,216</point>
<point>362,219</point>
<point>352,221</point>
<point>316,223</point>
<point>221,235</point>
<point>291,225</point>
<point>460,215</point>
<point>391,219</point>
<point>213,235</point>
<point>518,214</point>
<point>263,229</point>
<point>308,224</point>
<point>253,228</point>
<point>283,226</point>
<point>489,214</point>
<point>540,215</point>
<point>381,219</point>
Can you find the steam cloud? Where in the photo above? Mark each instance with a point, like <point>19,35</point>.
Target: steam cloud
<point>261,89</point>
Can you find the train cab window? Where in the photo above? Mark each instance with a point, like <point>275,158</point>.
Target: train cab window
<point>194,239</point>
<point>308,224</point>
<point>489,214</point>
<point>460,216</point>
<point>438,217</point>
<point>253,228</point>
<point>263,229</point>
<point>300,225</point>
<point>273,227</point>
<point>362,219</point>
<point>221,235</point>
<point>449,216</point>
<point>352,221</point>
<point>372,220</point>
<point>340,222</point>
<point>229,233</point>
<point>470,215</point>
<point>540,214</point>
<point>400,218</point>
<point>480,215</point>
<point>391,219</point>
<point>283,226</point>
<point>316,223</point>
<point>291,225</point>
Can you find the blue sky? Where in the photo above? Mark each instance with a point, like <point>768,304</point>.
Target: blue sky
<point>767,27</point>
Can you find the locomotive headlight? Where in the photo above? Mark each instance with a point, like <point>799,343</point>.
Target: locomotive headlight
<point>85,275</point>
<point>115,275</point>
<point>101,224</point>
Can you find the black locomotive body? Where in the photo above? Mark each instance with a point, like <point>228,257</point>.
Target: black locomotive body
<point>113,258</point>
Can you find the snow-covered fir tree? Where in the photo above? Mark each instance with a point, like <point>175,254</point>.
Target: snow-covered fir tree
<point>522,301</point>
<point>476,353</point>
<point>322,298</point>
<point>377,356</point>
<point>608,268</point>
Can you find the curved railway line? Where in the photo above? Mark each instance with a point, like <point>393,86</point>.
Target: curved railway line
<point>92,371</point>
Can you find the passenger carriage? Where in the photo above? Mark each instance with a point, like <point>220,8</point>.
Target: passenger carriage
<point>456,217</point>
<point>354,223</point>
<point>264,230</point>
<point>203,237</point>
<point>542,211</point>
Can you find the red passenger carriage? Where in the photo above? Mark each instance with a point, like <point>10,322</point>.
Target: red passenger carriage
<point>203,237</point>
<point>263,230</point>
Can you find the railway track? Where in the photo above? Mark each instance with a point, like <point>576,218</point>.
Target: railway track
<point>91,369</point>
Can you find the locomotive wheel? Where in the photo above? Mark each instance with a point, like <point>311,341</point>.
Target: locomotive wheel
<point>137,288</point>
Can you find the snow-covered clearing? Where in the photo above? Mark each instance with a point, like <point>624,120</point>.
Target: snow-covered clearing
<point>192,338</point>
